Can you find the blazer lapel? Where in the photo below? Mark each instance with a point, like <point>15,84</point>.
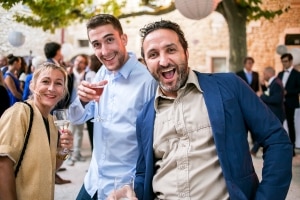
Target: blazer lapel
<point>214,104</point>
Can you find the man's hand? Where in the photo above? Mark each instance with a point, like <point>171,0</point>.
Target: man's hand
<point>86,93</point>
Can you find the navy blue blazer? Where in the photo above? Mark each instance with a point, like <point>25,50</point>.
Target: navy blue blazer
<point>292,88</point>
<point>275,98</point>
<point>233,109</point>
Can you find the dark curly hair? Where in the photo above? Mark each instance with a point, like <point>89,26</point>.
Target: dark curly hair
<point>163,24</point>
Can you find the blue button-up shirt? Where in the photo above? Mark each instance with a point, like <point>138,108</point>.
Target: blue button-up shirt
<point>115,145</point>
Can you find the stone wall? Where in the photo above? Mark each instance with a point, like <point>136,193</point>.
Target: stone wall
<point>265,35</point>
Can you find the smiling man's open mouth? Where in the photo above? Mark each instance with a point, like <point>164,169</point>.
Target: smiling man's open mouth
<point>109,58</point>
<point>168,73</point>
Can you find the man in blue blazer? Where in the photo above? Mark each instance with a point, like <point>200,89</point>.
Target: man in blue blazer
<point>273,97</point>
<point>192,135</point>
<point>273,94</point>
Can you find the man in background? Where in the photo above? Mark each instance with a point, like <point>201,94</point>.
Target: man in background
<point>78,71</point>
<point>272,96</point>
<point>251,78</point>
<point>248,75</point>
<point>290,78</point>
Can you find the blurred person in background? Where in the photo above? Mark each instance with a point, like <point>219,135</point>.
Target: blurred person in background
<point>290,78</point>
<point>23,72</point>
<point>53,53</point>
<point>11,80</point>
<point>248,75</point>
<point>273,96</point>
<point>79,70</point>
<point>4,100</point>
<point>3,64</point>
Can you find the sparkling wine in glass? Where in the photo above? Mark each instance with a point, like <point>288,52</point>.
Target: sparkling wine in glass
<point>61,121</point>
<point>99,90</point>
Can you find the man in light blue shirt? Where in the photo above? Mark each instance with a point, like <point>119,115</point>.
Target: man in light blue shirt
<point>128,86</point>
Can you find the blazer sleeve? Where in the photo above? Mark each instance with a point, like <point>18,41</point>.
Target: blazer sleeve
<point>277,155</point>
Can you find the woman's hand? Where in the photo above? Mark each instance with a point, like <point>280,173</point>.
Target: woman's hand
<point>66,139</point>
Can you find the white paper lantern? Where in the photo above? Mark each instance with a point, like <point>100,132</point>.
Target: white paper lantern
<point>281,49</point>
<point>296,55</point>
<point>16,38</point>
<point>196,9</point>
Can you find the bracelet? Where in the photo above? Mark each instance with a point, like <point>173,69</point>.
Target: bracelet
<point>61,156</point>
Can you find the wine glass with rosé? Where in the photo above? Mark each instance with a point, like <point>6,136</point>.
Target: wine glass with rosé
<point>99,90</point>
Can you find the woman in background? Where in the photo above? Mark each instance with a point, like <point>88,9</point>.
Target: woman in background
<point>11,80</point>
<point>4,100</point>
<point>23,72</point>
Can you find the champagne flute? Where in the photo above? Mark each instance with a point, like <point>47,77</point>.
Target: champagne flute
<point>61,121</point>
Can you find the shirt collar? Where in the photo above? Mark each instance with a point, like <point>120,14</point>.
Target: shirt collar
<point>247,72</point>
<point>55,62</point>
<point>289,69</point>
<point>126,69</point>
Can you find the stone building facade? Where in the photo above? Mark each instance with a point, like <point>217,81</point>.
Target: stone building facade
<point>208,38</point>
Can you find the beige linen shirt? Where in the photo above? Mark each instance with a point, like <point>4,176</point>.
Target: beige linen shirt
<point>35,179</point>
<point>188,166</point>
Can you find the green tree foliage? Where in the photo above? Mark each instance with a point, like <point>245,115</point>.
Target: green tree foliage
<point>54,14</point>
<point>51,14</point>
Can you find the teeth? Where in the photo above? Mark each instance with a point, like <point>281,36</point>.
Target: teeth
<point>108,59</point>
<point>51,96</point>
<point>167,70</point>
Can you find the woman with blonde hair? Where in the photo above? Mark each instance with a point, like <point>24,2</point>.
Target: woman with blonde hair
<point>36,174</point>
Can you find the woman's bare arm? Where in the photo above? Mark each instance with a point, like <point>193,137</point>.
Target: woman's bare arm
<point>7,179</point>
